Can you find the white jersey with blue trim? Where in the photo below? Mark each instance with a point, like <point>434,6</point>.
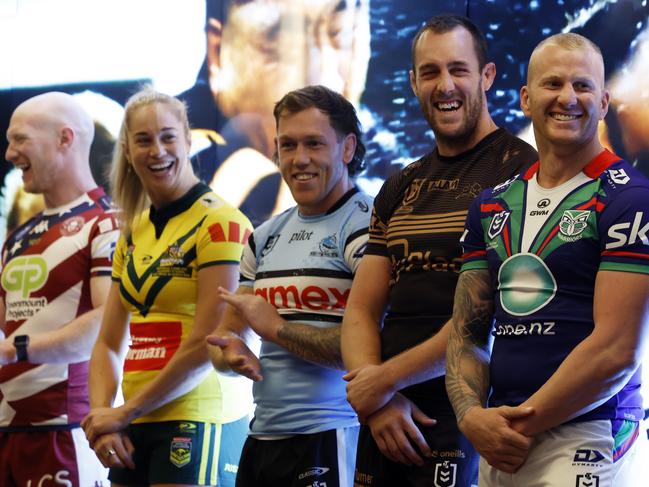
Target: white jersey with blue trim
<point>304,266</point>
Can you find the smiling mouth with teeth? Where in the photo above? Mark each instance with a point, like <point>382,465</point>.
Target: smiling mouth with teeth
<point>448,106</point>
<point>161,167</point>
<point>564,117</point>
<point>304,177</point>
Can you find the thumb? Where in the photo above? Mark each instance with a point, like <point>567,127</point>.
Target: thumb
<point>516,412</point>
<point>419,416</point>
<point>349,376</point>
<point>218,340</point>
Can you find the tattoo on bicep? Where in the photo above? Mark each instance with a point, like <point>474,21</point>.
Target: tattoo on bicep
<point>467,355</point>
<point>318,345</point>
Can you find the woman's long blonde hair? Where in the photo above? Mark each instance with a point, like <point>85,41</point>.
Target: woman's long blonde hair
<point>126,188</point>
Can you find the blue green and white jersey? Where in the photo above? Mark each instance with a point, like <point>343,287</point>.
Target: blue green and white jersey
<point>543,249</point>
<point>304,266</point>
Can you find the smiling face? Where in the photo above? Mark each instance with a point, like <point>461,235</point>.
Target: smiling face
<point>33,148</point>
<point>450,87</point>
<point>565,97</point>
<point>313,159</point>
<point>157,148</point>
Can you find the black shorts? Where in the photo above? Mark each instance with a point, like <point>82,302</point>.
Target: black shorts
<point>323,459</point>
<point>184,452</point>
<point>454,462</point>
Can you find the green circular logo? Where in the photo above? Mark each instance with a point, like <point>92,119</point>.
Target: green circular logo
<point>526,284</point>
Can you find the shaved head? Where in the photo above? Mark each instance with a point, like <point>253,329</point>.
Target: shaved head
<point>570,42</point>
<point>56,110</point>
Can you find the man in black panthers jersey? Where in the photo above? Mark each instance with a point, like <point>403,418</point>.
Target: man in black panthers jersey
<point>411,265</point>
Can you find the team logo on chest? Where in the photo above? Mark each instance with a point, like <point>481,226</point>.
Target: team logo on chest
<point>498,223</point>
<point>572,224</point>
<point>445,474</point>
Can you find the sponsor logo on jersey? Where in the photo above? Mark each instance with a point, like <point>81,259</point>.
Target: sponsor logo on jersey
<point>572,224</point>
<point>470,191</point>
<point>587,480</point>
<point>218,234</point>
<point>269,245</point>
<point>72,226</point>
<point>498,223</point>
<point>447,454</point>
<point>300,236</point>
<point>524,329</point>
<point>328,247</point>
<point>311,297</point>
<point>504,185</point>
<point>317,471</point>
<point>539,212</point>
<point>526,284</point>
<point>61,478</point>
<point>362,206</point>
<point>587,457</point>
<point>619,176</point>
<point>443,184</point>
<point>229,467</point>
<point>188,428</point>
<point>544,203</point>
<point>152,345</point>
<point>623,238</point>
<point>25,275</point>
<point>363,478</point>
<point>41,227</point>
<point>445,474</point>
<point>180,451</point>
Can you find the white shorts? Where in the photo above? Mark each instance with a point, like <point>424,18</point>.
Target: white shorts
<point>588,454</point>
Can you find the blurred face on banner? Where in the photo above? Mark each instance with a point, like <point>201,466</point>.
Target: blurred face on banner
<point>267,48</point>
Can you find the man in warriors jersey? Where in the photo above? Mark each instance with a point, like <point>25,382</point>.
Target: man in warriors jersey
<point>55,277</point>
<point>556,270</point>
<point>411,265</point>
<point>297,270</point>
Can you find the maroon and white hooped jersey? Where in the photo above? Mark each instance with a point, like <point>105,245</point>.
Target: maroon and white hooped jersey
<point>47,265</point>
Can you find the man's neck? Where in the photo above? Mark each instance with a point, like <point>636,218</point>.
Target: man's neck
<point>455,147</point>
<point>559,164</point>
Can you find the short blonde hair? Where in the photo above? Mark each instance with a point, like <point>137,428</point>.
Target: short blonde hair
<point>126,188</point>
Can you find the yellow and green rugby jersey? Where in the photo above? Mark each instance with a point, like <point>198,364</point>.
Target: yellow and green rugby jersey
<point>157,268</point>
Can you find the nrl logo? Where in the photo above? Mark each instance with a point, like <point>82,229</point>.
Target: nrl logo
<point>572,224</point>
<point>498,224</point>
<point>445,474</point>
<point>619,176</point>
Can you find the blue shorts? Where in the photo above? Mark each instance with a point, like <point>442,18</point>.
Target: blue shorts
<point>184,452</point>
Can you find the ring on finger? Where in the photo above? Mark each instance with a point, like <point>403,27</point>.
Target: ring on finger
<point>110,452</point>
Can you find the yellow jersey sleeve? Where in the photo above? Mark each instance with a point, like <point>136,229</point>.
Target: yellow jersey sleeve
<point>222,236</point>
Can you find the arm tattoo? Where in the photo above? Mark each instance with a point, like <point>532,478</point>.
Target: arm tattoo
<point>318,345</point>
<point>467,353</point>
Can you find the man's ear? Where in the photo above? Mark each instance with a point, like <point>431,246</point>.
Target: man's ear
<point>488,75</point>
<point>214,33</point>
<point>66,137</point>
<point>525,101</point>
<point>349,148</point>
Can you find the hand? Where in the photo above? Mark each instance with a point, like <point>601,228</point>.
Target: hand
<point>491,433</point>
<point>7,352</point>
<point>368,390</point>
<point>115,450</point>
<point>393,428</point>
<point>238,356</point>
<point>259,313</point>
<point>101,421</point>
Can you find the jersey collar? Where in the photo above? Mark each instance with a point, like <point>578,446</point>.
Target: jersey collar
<point>594,169</point>
<point>160,217</point>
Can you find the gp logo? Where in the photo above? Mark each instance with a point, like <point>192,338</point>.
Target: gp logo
<point>445,474</point>
<point>25,275</point>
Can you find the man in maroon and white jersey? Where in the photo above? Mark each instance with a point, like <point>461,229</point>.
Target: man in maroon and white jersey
<point>55,279</point>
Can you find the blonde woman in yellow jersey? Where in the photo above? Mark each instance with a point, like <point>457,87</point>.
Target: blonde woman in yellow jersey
<point>180,424</point>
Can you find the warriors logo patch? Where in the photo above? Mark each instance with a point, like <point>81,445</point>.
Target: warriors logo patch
<point>572,224</point>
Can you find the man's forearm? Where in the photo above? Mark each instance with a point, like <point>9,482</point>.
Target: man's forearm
<point>71,343</point>
<point>317,345</point>
<point>467,356</point>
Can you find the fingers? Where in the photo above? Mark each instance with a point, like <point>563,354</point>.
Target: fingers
<point>349,376</point>
<point>419,416</point>
<point>516,412</point>
<point>218,340</point>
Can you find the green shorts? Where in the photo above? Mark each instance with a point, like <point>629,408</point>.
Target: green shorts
<point>184,452</point>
